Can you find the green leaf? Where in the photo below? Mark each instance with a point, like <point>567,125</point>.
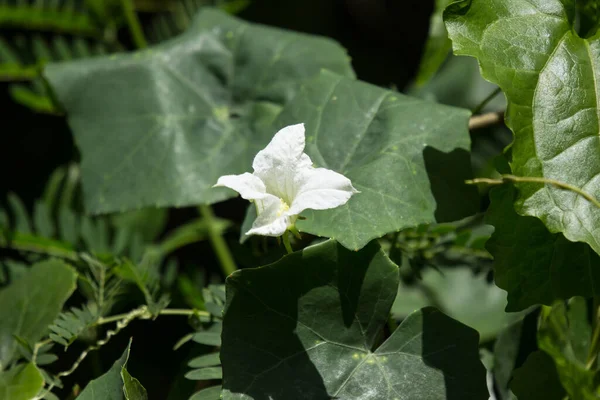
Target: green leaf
<point>207,360</point>
<point>46,359</point>
<point>52,19</point>
<point>308,325</point>
<point>205,374</point>
<point>549,75</point>
<point>395,149</point>
<point>21,217</point>
<point>31,303</point>
<point>211,393</point>
<point>551,268</point>
<point>160,126</point>
<point>38,244</point>
<point>22,382</point>
<point>565,334</point>
<point>69,325</point>
<point>537,379</point>
<point>43,220</point>
<point>437,47</point>
<point>132,388</point>
<point>208,338</point>
<point>455,291</point>
<point>115,384</point>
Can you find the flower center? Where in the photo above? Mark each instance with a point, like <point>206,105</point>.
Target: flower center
<point>283,207</point>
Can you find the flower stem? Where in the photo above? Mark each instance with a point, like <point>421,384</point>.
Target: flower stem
<point>218,243</point>
<point>286,242</point>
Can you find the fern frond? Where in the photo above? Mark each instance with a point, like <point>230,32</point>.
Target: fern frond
<point>56,228</point>
<point>104,285</point>
<point>69,325</point>
<point>146,277</point>
<point>180,13</point>
<point>48,17</point>
<point>69,30</point>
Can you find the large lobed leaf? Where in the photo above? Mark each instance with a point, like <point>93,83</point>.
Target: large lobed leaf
<point>308,327</point>
<point>158,127</point>
<point>31,303</point>
<point>550,77</point>
<point>407,157</point>
<point>533,265</point>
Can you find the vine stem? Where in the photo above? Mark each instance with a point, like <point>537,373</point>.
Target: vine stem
<point>521,179</point>
<point>218,242</point>
<point>168,311</point>
<point>140,312</point>
<point>122,320</point>
<point>135,28</point>
<point>485,101</point>
<point>485,120</point>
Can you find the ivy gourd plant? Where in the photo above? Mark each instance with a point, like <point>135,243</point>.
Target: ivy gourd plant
<point>441,241</point>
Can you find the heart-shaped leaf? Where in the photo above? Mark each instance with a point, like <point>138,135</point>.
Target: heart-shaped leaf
<point>408,158</point>
<point>550,75</point>
<point>158,127</point>
<point>309,326</point>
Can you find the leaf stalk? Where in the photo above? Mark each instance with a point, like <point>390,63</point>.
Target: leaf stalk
<point>521,179</point>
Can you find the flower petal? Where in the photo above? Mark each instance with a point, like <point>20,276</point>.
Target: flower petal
<point>250,187</point>
<point>321,189</point>
<point>278,164</point>
<point>286,148</point>
<point>270,221</point>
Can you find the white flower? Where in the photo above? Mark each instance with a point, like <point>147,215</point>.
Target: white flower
<point>285,183</point>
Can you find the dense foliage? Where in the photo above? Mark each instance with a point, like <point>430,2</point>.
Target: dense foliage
<point>464,266</point>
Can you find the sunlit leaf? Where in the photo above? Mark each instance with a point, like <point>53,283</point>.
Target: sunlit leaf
<point>530,48</point>
<point>395,149</point>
